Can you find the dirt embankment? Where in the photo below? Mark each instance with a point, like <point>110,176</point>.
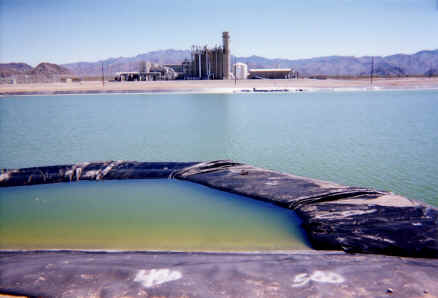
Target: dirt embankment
<point>215,86</point>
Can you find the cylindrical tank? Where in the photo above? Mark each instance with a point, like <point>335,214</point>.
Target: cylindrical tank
<point>226,45</point>
<point>240,70</point>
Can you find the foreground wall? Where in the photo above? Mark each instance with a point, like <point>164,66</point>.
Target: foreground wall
<point>141,274</point>
<point>335,217</point>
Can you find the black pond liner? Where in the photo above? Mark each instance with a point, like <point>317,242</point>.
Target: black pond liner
<point>335,217</point>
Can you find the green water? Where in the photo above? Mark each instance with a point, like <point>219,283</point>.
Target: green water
<point>142,215</point>
<point>386,140</point>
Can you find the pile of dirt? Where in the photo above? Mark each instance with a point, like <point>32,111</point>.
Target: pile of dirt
<point>49,69</point>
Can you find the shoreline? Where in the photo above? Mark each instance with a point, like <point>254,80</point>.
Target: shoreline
<point>220,87</point>
<point>153,251</point>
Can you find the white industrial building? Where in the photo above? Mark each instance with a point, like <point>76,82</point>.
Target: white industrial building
<point>240,71</point>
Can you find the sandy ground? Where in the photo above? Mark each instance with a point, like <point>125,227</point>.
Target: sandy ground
<point>216,86</point>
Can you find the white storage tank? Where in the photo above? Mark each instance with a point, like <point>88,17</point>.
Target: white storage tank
<point>240,70</point>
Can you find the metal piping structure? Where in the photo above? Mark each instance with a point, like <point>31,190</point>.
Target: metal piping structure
<point>211,64</point>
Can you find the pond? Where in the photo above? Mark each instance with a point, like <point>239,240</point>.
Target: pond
<point>142,215</point>
<point>386,140</point>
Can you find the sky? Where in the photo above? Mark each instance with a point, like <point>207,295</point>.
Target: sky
<point>64,31</point>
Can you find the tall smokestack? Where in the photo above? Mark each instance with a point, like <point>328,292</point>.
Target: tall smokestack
<point>226,45</point>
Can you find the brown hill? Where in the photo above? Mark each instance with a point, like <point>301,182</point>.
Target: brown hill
<point>23,73</point>
<point>11,69</point>
<point>49,69</point>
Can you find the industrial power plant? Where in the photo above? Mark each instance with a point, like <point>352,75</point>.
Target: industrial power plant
<point>212,64</point>
<point>207,64</point>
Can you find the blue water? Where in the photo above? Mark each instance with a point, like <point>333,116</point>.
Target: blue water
<point>386,140</point>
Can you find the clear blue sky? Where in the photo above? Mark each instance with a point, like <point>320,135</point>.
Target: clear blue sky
<point>62,31</point>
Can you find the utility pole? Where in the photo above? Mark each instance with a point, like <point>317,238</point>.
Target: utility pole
<point>103,77</point>
<point>235,71</point>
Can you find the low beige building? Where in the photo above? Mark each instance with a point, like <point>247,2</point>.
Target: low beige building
<point>271,73</point>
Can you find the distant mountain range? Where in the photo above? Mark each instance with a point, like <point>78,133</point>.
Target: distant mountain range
<point>420,63</point>
<point>113,65</point>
